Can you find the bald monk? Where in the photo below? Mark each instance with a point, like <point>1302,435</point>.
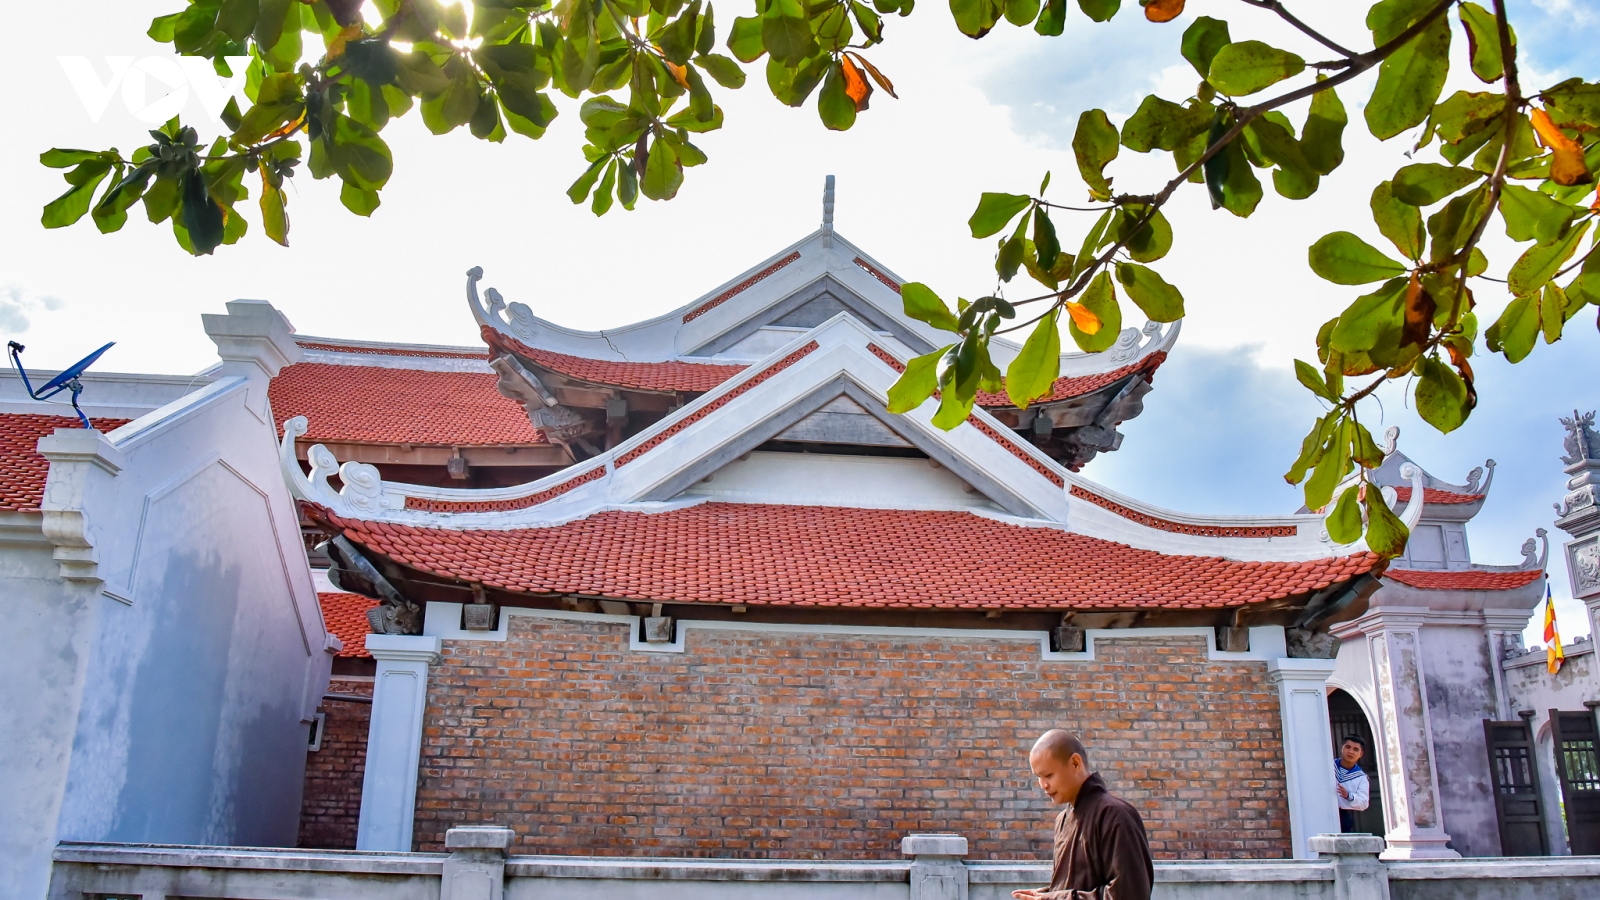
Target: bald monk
<point>1101,850</point>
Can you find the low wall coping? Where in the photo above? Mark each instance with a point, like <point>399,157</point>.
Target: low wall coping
<point>1347,844</point>
<point>650,869</point>
<point>933,845</point>
<point>371,862</point>
<point>479,837</point>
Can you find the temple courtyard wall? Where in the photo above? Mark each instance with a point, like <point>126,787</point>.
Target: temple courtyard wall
<point>808,744</point>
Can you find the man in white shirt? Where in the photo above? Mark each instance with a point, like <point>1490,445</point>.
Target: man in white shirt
<point>1354,790</point>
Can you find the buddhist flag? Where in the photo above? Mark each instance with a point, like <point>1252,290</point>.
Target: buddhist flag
<point>1552,638</point>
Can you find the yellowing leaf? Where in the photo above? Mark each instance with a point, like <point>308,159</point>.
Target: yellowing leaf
<point>1163,10</point>
<point>1087,322</point>
<point>1568,167</point>
<point>855,83</point>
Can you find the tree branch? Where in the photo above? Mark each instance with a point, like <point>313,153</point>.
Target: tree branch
<point>1310,32</point>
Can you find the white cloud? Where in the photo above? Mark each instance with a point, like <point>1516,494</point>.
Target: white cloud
<point>16,305</point>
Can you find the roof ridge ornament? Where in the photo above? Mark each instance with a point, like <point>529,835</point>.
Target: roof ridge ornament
<point>827,212</point>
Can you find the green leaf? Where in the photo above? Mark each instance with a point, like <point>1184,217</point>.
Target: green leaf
<point>1273,136</point>
<point>62,159</point>
<point>785,33</point>
<point>1531,215</point>
<point>202,220</point>
<point>744,39</point>
<point>994,212</point>
<point>1517,329</point>
<point>1160,301</point>
<point>1151,241</point>
<point>1359,327</point>
<point>604,194</point>
<point>1483,42</point>
<point>1320,138</point>
<point>1095,144</point>
<point>357,200</point>
<point>1053,20</point>
<point>1573,104</point>
<point>1464,114</point>
<point>1541,261</point>
<point>922,304</point>
<point>579,191</point>
<point>662,173</point>
<point>1046,246</point>
<point>1553,312</point>
<point>1399,222</point>
<point>1452,225</point>
<point>111,213</point>
<point>1388,18</point>
<point>1344,523</point>
<point>1021,12</point>
<point>1202,40</point>
<point>1099,10</point>
<point>1312,379</point>
<point>1232,183</point>
<point>834,106</point>
<point>1033,373</point>
<point>1160,125</point>
<point>1441,395</point>
<point>975,18</point>
<point>1409,82</point>
<point>1312,446</point>
<point>1343,258</point>
<point>1424,184</point>
<point>1363,449</point>
<point>1386,534</point>
<point>917,383</point>
<point>726,72</point>
<point>1249,66</point>
<point>1099,298</point>
<point>1330,469</point>
<point>70,207</point>
<point>274,216</point>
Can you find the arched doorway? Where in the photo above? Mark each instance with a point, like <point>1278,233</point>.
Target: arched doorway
<point>1345,718</point>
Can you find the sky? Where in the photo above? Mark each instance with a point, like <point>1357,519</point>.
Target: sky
<point>994,114</point>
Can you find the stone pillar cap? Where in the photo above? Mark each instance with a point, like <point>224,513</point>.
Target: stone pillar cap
<point>479,837</point>
<point>933,845</point>
<point>1347,844</point>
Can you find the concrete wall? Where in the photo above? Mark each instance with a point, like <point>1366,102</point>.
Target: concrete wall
<point>165,649</point>
<point>1461,695</point>
<point>48,625</point>
<point>208,642</point>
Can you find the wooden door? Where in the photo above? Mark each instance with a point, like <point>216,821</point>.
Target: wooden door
<point>1514,772</point>
<point>1578,765</point>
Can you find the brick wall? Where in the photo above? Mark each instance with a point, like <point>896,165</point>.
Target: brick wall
<point>817,745</point>
<point>331,804</point>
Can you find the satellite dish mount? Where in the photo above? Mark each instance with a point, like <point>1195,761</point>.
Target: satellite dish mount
<point>66,381</point>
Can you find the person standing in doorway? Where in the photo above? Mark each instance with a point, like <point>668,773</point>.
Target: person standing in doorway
<point>1355,792</point>
<point>1101,852</point>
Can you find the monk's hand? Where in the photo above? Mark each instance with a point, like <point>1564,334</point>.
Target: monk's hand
<point>1344,793</point>
<point>1028,895</point>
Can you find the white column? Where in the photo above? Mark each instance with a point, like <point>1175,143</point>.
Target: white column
<point>394,740</point>
<point>1307,749</point>
<point>1405,739</point>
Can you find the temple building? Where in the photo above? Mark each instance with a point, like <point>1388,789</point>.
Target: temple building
<point>687,588</point>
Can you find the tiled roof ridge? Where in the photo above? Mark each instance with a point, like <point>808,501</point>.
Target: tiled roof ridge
<point>878,274</point>
<point>1437,495</point>
<point>1464,579</point>
<point>23,471</point>
<point>427,504</point>
<point>715,404</point>
<point>1149,521</point>
<point>742,286</point>
<point>1069,386</point>
<point>395,351</point>
<point>813,556</point>
<point>667,376</point>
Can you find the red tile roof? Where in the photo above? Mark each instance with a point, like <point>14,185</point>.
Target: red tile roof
<point>1070,386</point>
<point>376,405</point>
<point>730,553</point>
<point>1465,579</point>
<point>346,616</point>
<point>22,469</point>
<point>645,376</point>
<point>1435,495</point>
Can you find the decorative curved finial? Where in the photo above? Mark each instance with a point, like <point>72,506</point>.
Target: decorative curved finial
<point>299,485</point>
<point>1391,440</point>
<point>1412,473</point>
<point>363,486</point>
<point>474,275</point>
<point>1489,479</point>
<point>827,212</point>
<point>1531,560</point>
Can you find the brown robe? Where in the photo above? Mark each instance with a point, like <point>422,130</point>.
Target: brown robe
<point>1101,850</point>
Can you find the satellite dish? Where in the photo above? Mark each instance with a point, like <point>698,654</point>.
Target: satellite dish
<point>66,381</point>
